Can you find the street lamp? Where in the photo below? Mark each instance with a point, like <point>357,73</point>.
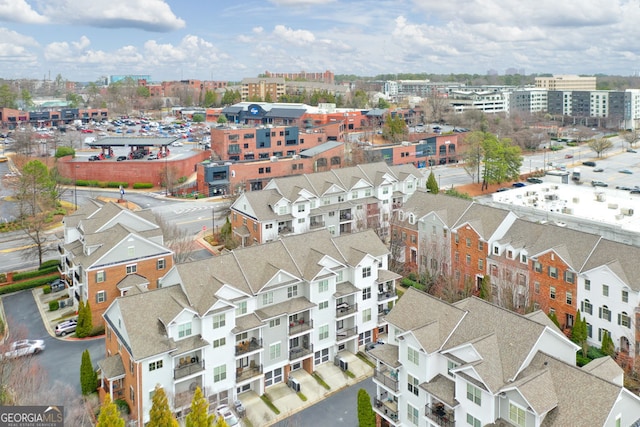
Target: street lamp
<point>213,222</point>
<point>75,187</point>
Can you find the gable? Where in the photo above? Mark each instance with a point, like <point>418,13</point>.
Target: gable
<point>281,278</point>
<point>129,220</point>
<point>361,184</point>
<point>230,293</point>
<point>242,205</point>
<point>466,352</point>
<point>133,248</point>
<point>333,189</point>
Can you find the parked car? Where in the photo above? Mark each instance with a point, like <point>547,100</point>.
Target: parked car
<point>630,150</point>
<point>94,158</point>
<point>500,190</point>
<point>622,187</point>
<point>598,170</point>
<point>599,184</point>
<point>627,171</point>
<point>121,158</point>
<point>177,144</point>
<point>568,156</point>
<point>635,191</point>
<point>24,348</point>
<point>518,184</point>
<point>589,163</point>
<point>534,180</point>
<point>138,155</point>
<point>57,285</point>
<point>66,327</point>
<point>225,412</point>
<point>152,157</point>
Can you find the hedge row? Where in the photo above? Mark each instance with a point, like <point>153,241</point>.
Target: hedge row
<point>101,184</point>
<point>34,273</point>
<point>142,185</point>
<point>29,284</point>
<point>50,263</point>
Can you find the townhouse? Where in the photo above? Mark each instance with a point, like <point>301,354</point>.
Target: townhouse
<point>473,363</point>
<point>341,200</point>
<point>245,320</point>
<point>109,251</point>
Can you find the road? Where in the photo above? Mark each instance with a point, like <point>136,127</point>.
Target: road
<point>340,409</point>
<point>61,359</point>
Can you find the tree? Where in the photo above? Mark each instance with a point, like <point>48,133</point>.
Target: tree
<point>485,288</point>
<point>222,119</point>
<point>608,347</point>
<point>579,333</point>
<point>88,376</point>
<point>600,145</point>
<point>35,190</point>
<point>210,98</point>
<point>473,154</point>
<point>502,161</point>
<point>394,127</point>
<point>85,322</point>
<point>199,415</point>
<point>554,318</point>
<point>109,414</point>
<point>177,239</point>
<point>160,414</point>
<point>366,416</point>
<point>26,98</point>
<point>432,184</point>
<point>631,136</point>
<point>220,422</point>
<point>383,103</point>
<point>7,97</point>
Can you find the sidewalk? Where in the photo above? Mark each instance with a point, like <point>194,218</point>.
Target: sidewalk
<point>289,402</point>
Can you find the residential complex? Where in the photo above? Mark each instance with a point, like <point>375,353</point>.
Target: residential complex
<point>473,363</point>
<point>566,82</point>
<point>110,251</point>
<point>245,320</point>
<point>341,200</point>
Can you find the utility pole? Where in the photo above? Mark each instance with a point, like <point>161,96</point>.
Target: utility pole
<point>213,221</point>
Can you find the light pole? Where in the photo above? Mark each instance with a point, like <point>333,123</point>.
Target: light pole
<point>75,187</point>
<point>213,222</point>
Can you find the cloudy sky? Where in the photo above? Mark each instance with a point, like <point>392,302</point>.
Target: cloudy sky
<point>83,40</point>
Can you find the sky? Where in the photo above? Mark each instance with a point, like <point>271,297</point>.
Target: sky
<point>84,40</point>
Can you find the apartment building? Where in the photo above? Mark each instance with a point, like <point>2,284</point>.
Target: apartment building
<point>566,82</point>
<point>262,88</point>
<point>245,320</point>
<point>109,251</point>
<point>474,363</point>
<point>342,200</point>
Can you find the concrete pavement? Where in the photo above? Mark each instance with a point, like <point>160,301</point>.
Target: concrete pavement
<point>288,402</point>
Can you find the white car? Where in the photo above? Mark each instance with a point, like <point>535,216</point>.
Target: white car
<point>177,144</point>
<point>225,412</point>
<point>24,348</point>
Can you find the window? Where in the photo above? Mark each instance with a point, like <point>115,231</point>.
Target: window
<point>366,315</point>
<point>537,267</point>
<point>451,365</point>
<point>510,254</point>
<point>184,330</point>
<point>569,277</point>
<point>481,264</point>
<point>274,323</point>
<point>496,250</point>
<point>413,356</point>
<point>267,298</point>
<point>323,305</point>
<point>457,238</point>
<point>301,208</point>
<point>323,332</point>
<point>587,307</point>
<point>292,291</point>
<point>366,272</point>
<point>552,292</point>
<point>468,259</point>
<point>587,284</point>
<point>625,296</point>
<point>523,258</point>
<point>474,394</point>
<point>132,268</point>
<point>516,415</point>
<point>241,308</point>
<point>473,421</point>
<point>605,313</point>
<point>101,276</point>
<point>132,394</point>
<point>536,287</point>
<point>101,296</point>
<point>274,351</point>
<point>160,264</point>
<point>468,242</point>
<point>413,415</point>
<point>553,272</point>
<point>323,286</point>
<point>219,373</point>
<point>589,330</point>
<point>155,365</point>
<point>605,290</point>
<point>569,298</point>
<point>339,277</point>
<point>412,384</point>
<point>219,342</point>
<point>480,246</point>
<point>366,293</point>
<point>624,319</point>
<point>219,320</point>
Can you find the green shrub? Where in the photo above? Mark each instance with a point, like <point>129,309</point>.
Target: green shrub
<point>123,406</point>
<point>115,184</point>
<point>65,151</point>
<point>54,305</point>
<point>142,185</point>
<point>581,360</point>
<point>34,273</point>
<point>270,404</point>
<point>182,179</point>
<point>1,327</point>
<point>455,193</point>
<point>50,263</point>
<point>407,283</point>
<point>3,277</point>
<point>29,284</point>
<point>97,331</point>
<point>46,290</point>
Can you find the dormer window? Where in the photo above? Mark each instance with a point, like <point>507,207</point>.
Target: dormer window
<point>184,330</point>
<point>412,218</point>
<point>496,250</point>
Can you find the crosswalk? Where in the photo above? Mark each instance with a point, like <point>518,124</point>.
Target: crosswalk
<point>193,209</point>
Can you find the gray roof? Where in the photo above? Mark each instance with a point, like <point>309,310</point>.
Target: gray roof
<point>443,388</point>
<point>484,219</point>
<point>321,148</point>
<point>123,141</point>
<point>448,208</point>
<point>604,368</point>
<point>622,259</point>
<point>538,390</point>
<point>387,354</point>
<point>246,323</point>
<point>292,113</point>
<point>112,367</point>
<point>345,288</point>
<point>290,306</point>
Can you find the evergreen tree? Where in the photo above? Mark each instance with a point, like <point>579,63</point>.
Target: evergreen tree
<point>220,422</point>
<point>366,416</point>
<point>160,414</point>
<point>85,323</point>
<point>432,184</point>
<point>199,415</point>
<point>579,330</point>
<point>88,375</point>
<point>485,288</point>
<point>109,414</point>
<point>608,347</point>
<point>554,319</point>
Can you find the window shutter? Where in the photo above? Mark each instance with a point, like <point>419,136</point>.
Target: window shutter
<point>619,319</point>
<point>600,312</point>
<point>582,306</point>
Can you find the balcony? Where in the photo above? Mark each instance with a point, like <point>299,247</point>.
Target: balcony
<point>345,309</point>
<point>248,346</point>
<point>387,408</point>
<point>345,215</point>
<point>188,368</point>
<point>300,352</point>
<point>344,334</point>
<point>116,393</point>
<point>316,223</point>
<point>299,326</point>
<point>243,374</point>
<point>385,295</point>
<point>60,249</point>
<point>442,417</point>
<point>387,378</point>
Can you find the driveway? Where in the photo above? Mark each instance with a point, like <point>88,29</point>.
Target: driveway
<point>61,359</point>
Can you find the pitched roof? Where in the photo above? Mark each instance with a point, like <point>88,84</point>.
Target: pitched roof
<point>448,208</point>
<point>622,259</point>
<point>484,219</point>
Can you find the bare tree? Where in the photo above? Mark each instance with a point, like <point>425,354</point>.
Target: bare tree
<point>509,288</point>
<point>176,239</point>
<point>631,136</point>
<point>35,227</point>
<point>600,145</point>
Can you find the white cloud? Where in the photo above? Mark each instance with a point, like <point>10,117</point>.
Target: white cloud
<point>20,11</point>
<point>297,37</point>
<point>293,3</point>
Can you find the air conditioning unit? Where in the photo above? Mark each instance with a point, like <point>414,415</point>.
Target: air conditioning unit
<point>626,211</point>
<point>406,143</point>
<point>274,158</point>
<point>568,211</point>
<point>612,206</point>
<point>294,384</point>
<point>341,363</point>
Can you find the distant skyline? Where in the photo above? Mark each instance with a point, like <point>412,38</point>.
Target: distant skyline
<point>214,40</point>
